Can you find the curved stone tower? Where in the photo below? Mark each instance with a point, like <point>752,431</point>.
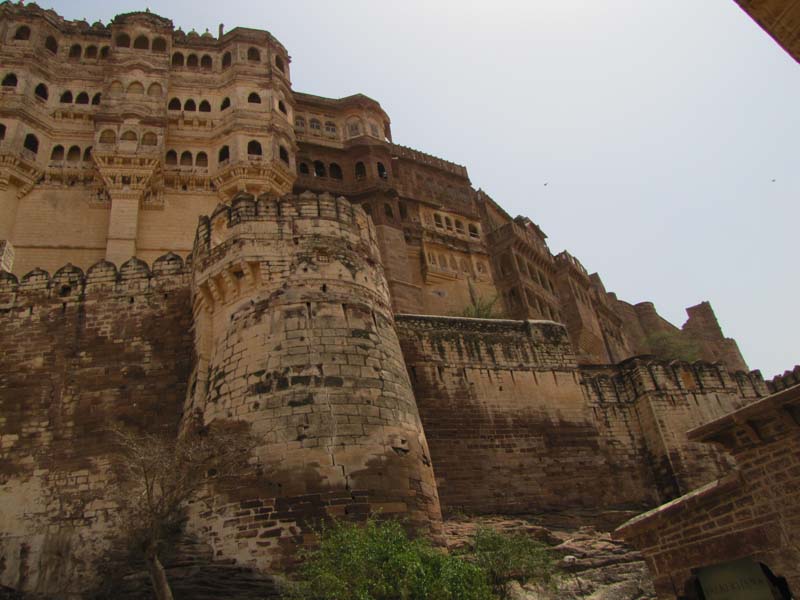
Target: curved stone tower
<point>294,334</point>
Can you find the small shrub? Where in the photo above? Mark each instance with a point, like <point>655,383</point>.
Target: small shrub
<point>674,345</point>
<point>378,561</point>
<point>505,557</point>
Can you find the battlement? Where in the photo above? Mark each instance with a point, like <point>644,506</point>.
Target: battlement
<point>787,380</point>
<point>71,283</point>
<point>628,380</point>
<point>430,160</point>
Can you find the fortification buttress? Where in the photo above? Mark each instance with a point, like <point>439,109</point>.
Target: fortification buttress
<point>294,334</point>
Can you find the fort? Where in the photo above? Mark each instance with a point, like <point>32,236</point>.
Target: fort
<point>182,233</point>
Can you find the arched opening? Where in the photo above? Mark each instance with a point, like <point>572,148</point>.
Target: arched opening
<point>330,128</point>
<point>87,154</point>
<point>192,61</point>
<point>448,223</point>
<point>253,148</point>
<point>437,220</point>
<point>108,137</point>
<point>149,139</point>
<point>282,107</point>
<point>279,64</point>
<point>205,106</point>
<point>129,136</point>
<point>300,122</point>
<point>354,128</point>
<point>104,52</point>
<point>459,227</point>
<point>189,106</point>
<point>387,210</point>
<point>253,54</point>
<point>66,97</point>
<point>9,80</point>
<point>82,98</point>
<point>41,91</point>
<point>319,168</point>
<point>403,211</point>
<point>226,60</point>
<point>283,154</point>
<point>473,231</point>
<point>361,170</point>
<point>335,171</point>
<point>91,52</point>
<point>159,45</point>
<point>171,158</point>
<point>174,104</point>
<point>224,154</point>
<point>136,88</point>
<point>206,63</point>
<point>382,171</point>
<point>186,159</point>
<point>254,98</point>
<point>96,98</point>
<point>141,43</point>
<point>2,131</point>
<point>57,154</point>
<point>303,168</point>
<point>31,143</point>
<point>51,44</point>
<point>23,33</point>
<point>177,59</point>
<point>155,90</point>
<point>201,160</point>
<point>226,103</point>
<point>123,40</point>
<point>314,125</point>
<point>74,154</point>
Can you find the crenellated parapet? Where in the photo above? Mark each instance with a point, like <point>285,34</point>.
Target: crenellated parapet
<point>786,380</point>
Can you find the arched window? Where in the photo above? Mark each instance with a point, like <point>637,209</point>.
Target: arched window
<point>448,223</point>
<point>224,154</point>
<point>123,40</point>
<point>382,171</point>
<point>314,124</point>
<point>174,104</point>
<point>303,168</point>
<point>74,154</point>
<point>136,88</point>
<point>10,80</point>
<point>361,170</point>
<point>159,45</point>
<point>201,160</point>
<point>96,98</point>
<point>91,52</point>
<point>82,98</point>
<point>283,154</point>
<point>387,210</point>
<point>206,63</point>
<point>31,143</point>
<point>186,159</point>
<point>279,64</point>
<point>226,60</point>
<point>226,103</point>
<point>155,90</point>
<point>149,139</point>
<point>51,44</point>
<point>403,211</point>
<point>459,227</point>
<point>23,33</point>
<point>282,107</point>
<point>189,106</point>
<point>41,91</point>
<point>57,153</point>
<point>2,131</point>
<point>129,136</point>
<point>177,59</point>
<point>108,137</point>
<point>205,106</point>
<point>116,88</point>
<point>141,43</point>
<point>104,52</point>
<point>254,98</point>
<point>253,54</point>
<point>437,220</point>
<point>192,61</point>
<point>172,158</point>
<point>473,231</point>
<point>330,127</point>
<point>335,171</point>
<point>66,97</point>
<point>319,168</point>
<point>300,122</point>
<point>254,148</point>
<point>87,154</point>
<point>354,128</point>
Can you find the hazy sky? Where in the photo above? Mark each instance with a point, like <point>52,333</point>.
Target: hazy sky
<point>658,125</point>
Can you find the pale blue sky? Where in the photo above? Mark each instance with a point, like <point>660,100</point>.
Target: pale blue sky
<point>658,125</point>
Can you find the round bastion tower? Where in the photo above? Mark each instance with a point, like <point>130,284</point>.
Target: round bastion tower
<point>294,334</point>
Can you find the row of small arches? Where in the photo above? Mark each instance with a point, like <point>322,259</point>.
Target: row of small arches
<point>76,51</point>
<point>74,154</point>
<point>206,62</point>
<point>335,171</point>
<point>205,106</point>
<point>445,222</point>
<point>253,149</point>
<point>315,125</point>
<point>142,42</point>
<point>154,90</point>
<point>186,159</point>
<point>109,136</point>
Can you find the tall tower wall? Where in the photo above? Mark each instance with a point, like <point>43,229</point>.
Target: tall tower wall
<point>295,335</point>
